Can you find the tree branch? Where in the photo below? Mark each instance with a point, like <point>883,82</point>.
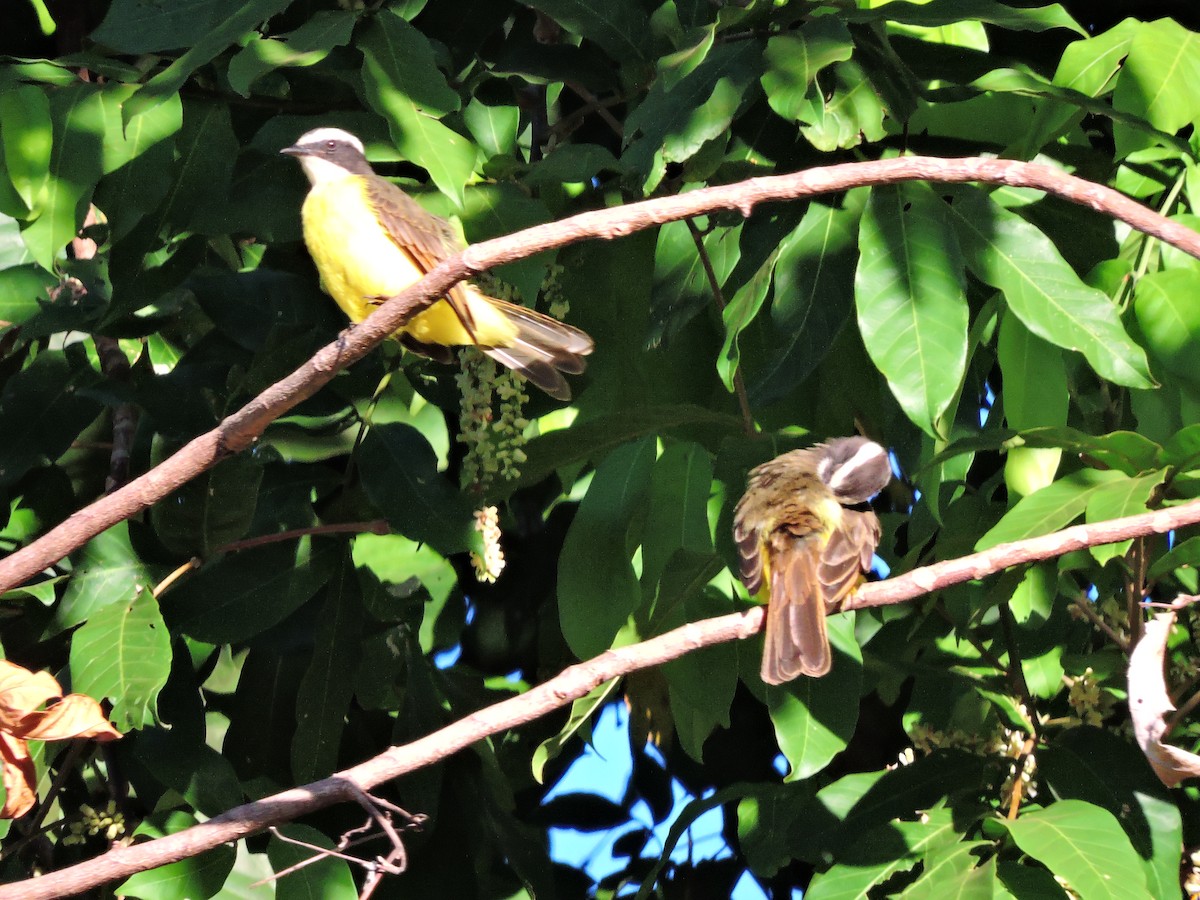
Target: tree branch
<point>573,683</point>
<point>240,430</point>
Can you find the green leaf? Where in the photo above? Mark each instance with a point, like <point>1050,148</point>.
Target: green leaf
<point>1005,251</point>
<point>305,46</point>
<point>855,804</point>
<point>241,595</point>
<point>241,20</point>
<point>580,716</point>
<point>1027,879</point>
<point>132,27</point>
<point>1090,64</point>
<point>206,150</point>
<point>1083,845</point>
<point>325,876</point>
<point>765,818</point>
<point>1169,321</point>
<point>1035,384</point>
<point>882,852</point>
<point>793,60</point>
<point>910,296</point>
<point>948,12</point>
<point>399,474</point>
<point>123,654</point>
<point>814,296</point>
<point>702,683</point>
<point>847,114</point>
<point>1154,83</point>
<point>74,169</point>
<point>674,121</point>
<point>394,559</point>
<point>1127,497</point>
<point>814,718</point>
<point>105,571</point>
<point>1035,394</point>
<point>27,136</point>
<point>323,702</point>
<point>42,412</point>
<point>1127,451</point>
<point>404,85</point>
<point>262,716</point>
<point>597,586</point>
<point>179,760</point>
<point>953,871</point>
<point>1100,767</point>
<point>213,509</point>
<point>494,128</point>
<point>1051,508</point>
<point>681,285</point>
<point>619,27</point>
<point>677,516</point>
<point>194,878</point>
<point>740,311</point>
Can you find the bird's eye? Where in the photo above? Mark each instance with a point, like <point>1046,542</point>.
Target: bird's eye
<point>330,146</point>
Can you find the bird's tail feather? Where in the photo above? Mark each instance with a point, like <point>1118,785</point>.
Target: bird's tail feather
<point>542,349</point>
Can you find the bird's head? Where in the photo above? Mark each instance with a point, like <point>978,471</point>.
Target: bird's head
<point>328,153</point>
<point>854,468</point>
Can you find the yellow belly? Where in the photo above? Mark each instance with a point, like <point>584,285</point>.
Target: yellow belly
<point>358,262</point>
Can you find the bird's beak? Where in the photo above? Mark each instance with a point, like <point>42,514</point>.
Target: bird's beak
<point>296,150</point>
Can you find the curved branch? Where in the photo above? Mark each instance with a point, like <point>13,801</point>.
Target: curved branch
<point>243,428</point>
<point>568,686</point>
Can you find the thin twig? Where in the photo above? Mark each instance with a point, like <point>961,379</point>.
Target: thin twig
<point>1085,606</point>
<point>1181,713</point>
<point>383,823</point>
<point>739,384</point>
<point>600,108</point>
<point>566,126</point>
<point>1015,670</point>
<point>374,526</point>
<point>180,571</point>
<point>345,841</point>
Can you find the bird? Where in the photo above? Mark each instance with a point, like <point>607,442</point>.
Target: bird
<point>805,539</point>
<point>370,240</point>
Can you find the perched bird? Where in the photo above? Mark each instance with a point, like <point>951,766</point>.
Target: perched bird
<point>370,241</point>
<point>805,538</point>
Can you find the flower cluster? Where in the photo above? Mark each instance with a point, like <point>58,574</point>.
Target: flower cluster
<point>551,292</point>
<point>91,822</point>
<point>493,432</point>
<point>489,566</point>
<point>1012,745</point>
<point>1191,877</point>
<point>1007,743</point>
<point>1090,704</point>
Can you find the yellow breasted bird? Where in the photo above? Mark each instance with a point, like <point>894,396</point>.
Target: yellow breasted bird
<point>370,240</point>
<point>802,543</point>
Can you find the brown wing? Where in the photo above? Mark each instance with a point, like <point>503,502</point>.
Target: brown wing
<point>796,642</point>
<point>425,238</point>
<point>847,555</point>
<point>749,544</point>
<point>767,502</point>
